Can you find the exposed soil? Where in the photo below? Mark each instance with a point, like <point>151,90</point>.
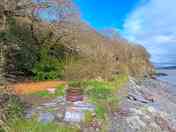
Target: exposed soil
<point>32,87</point>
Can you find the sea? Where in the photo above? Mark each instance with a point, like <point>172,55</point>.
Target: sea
<point>168,71</point>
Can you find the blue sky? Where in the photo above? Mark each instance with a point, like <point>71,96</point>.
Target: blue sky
<point>106,13</point>
<point>151,23</point>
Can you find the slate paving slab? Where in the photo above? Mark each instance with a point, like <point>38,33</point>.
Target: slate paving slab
<point>60,110</point>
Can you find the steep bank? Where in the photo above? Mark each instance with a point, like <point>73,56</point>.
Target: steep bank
<point>149,106</point>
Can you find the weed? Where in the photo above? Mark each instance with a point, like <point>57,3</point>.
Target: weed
<point>88,117</point>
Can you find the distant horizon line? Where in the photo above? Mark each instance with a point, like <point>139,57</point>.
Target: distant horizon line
<point>164,65</point>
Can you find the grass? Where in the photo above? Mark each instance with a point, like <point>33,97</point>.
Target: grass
<point>35,126</point>
<point>104,94</point>
<point>60,91</point>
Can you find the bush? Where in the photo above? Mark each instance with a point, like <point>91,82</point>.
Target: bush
<point>11,106</point>
<point>48,68</point>
<point>98,90</point>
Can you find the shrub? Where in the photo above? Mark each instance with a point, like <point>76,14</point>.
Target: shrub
<point>11,106</point>
<point>88,117</point>
<point>98,90</point>
<point>48,68</point>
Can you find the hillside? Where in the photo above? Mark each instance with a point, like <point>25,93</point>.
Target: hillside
<point>77,50</point>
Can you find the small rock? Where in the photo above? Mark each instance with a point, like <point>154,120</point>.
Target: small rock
<point>93,114</point>
<point>135,122</point>
<point>51,90</point>
<point>97,129</point>
<point>59,116</point>
<point>151,109</point>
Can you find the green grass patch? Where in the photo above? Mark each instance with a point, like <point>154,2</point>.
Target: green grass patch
<point>100,111</point>
<point>35,126</point>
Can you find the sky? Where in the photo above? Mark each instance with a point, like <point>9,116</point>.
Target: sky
<point>151,23</point>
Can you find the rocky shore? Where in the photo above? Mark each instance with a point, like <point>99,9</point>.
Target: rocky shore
<point>148,106</point>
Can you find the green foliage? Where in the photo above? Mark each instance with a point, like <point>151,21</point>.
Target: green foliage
<point>100,111</point>
<point>104,94</point>
<point>35,126</point>
<point>75,83</point>
<point>48,68</point>
<point>98,90</point>
<point>60,91</point>
<point>88,117</point>
<point>13,108</point>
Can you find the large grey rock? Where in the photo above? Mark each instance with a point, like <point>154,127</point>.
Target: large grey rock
<point>46,117</point>
<point>74,116</point>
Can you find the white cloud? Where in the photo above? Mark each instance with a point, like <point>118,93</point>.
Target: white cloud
<point>153,24</point>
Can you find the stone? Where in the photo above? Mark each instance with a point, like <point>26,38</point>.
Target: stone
<point>93,114</point>
<point>60,99</point>
<point>97,129</point>
<point>151,109</point>
<point>164,124</point>
<point>81,106</point>
<point>135,122</point>
<point>59,115</point>
<point>122,112</point>
<point>46,117</point>
<point>49,105</point>
<point>134,97</point>
<point>74,116</point>
<point>51,90</point>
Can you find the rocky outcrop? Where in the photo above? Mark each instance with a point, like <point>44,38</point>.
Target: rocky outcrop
<point>148,107</point>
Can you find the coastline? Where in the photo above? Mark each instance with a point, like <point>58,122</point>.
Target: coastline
<point>149,106</point>
<point>170,75</point>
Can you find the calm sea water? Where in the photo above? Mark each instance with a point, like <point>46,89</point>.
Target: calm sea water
<point>171,78</point>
